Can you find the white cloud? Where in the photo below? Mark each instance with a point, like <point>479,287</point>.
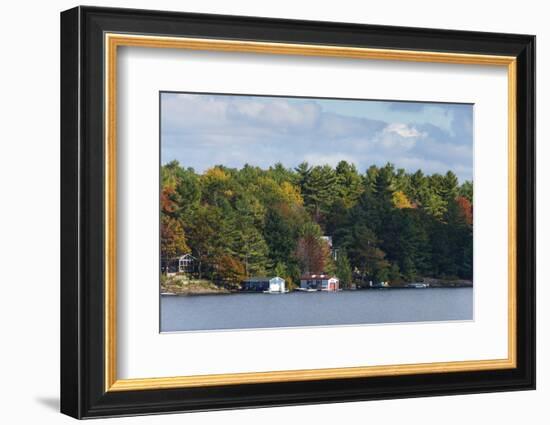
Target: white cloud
<point>398,137</point>
<point>402,130</point>
<point>277,112</point>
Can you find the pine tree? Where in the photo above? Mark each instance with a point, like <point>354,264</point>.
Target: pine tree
<point>251,248</point>
<point>384,184</point>
<point>466,190</point>
<point>349,184</point>
<point>343,269</point>
<point>370,178</point>
<point>319,191</point>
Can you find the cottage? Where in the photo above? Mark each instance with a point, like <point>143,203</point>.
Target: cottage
<point>186,263</point>
<point>319,282</point>
<point>264,284</point>
<point>183,264</point>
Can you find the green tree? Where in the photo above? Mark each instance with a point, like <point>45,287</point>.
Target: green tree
<point>252,250</point>
<point>203,236</point>
<point>343,269</point>
<point>449,186</point>
<point>434,205</point>
<point>370,178</point>
<point>467,190</point>
<point>280,270</point>
<point>319,191</point>
<point>394,275</point>
<point>384,184</point>
<point>349,184</point>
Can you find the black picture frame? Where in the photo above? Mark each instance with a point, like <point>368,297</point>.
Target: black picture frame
<point>83,392</point>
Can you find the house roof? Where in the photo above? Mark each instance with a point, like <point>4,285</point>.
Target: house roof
<point>328,239</point>
<point>310,276</point>
<point>262,278</point>
<point>314,276</point>
<point>187,256</point>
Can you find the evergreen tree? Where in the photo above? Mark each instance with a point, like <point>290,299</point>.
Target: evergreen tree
<point>370,178</point>
<point>343,269</point>
<point>319,191</point>
<point>467,190</point>
<point>449,186</point>
<point>384,184</point>
<point>254,252</point>
<point>349,184</point>
<point>418,187</point>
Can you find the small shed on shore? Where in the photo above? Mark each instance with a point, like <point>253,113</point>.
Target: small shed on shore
<point>277,284</point>
<point>264,284</point>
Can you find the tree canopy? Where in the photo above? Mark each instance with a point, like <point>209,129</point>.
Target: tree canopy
<point>385,224</point>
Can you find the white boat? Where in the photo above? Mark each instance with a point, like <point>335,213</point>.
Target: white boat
<point>418,285</point>
<point>168,294</point>
<point>307,289</point>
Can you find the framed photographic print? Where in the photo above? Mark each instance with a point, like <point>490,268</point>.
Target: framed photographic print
<point>261,212</point>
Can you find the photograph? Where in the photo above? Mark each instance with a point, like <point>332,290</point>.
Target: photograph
<point>285,211</point>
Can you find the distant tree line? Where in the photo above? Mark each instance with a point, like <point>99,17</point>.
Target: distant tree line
<point>385,224</point>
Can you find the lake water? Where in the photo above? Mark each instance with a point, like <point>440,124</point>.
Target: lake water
<point>246,311</point>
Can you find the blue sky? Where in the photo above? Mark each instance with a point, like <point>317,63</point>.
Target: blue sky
<point>203,130</point>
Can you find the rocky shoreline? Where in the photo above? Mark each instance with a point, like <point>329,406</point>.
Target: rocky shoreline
<point>448,283</point>
<point>434,283</point>
<point>182,286</point>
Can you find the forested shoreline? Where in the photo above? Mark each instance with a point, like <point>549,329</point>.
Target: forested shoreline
<point>385,225</point>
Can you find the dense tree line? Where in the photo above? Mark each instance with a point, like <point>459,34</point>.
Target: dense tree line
<point>385,224</point>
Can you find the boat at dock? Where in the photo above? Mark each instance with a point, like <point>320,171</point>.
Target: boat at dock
<point>418,285</point>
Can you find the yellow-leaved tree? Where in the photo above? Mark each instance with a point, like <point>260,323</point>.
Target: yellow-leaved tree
<point>400,200</point>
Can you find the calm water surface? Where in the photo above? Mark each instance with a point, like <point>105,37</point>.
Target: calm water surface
<point>246,311</point>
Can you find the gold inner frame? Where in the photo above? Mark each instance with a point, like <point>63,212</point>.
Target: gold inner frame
<point>113,41</point>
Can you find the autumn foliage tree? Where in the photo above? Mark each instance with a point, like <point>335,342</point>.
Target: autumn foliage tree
<point>230,271</point>
<point>168,204</point>
<point>172,238</point>
<point>465,208</point>
<point>400,200</point>
<point>312,251</point>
